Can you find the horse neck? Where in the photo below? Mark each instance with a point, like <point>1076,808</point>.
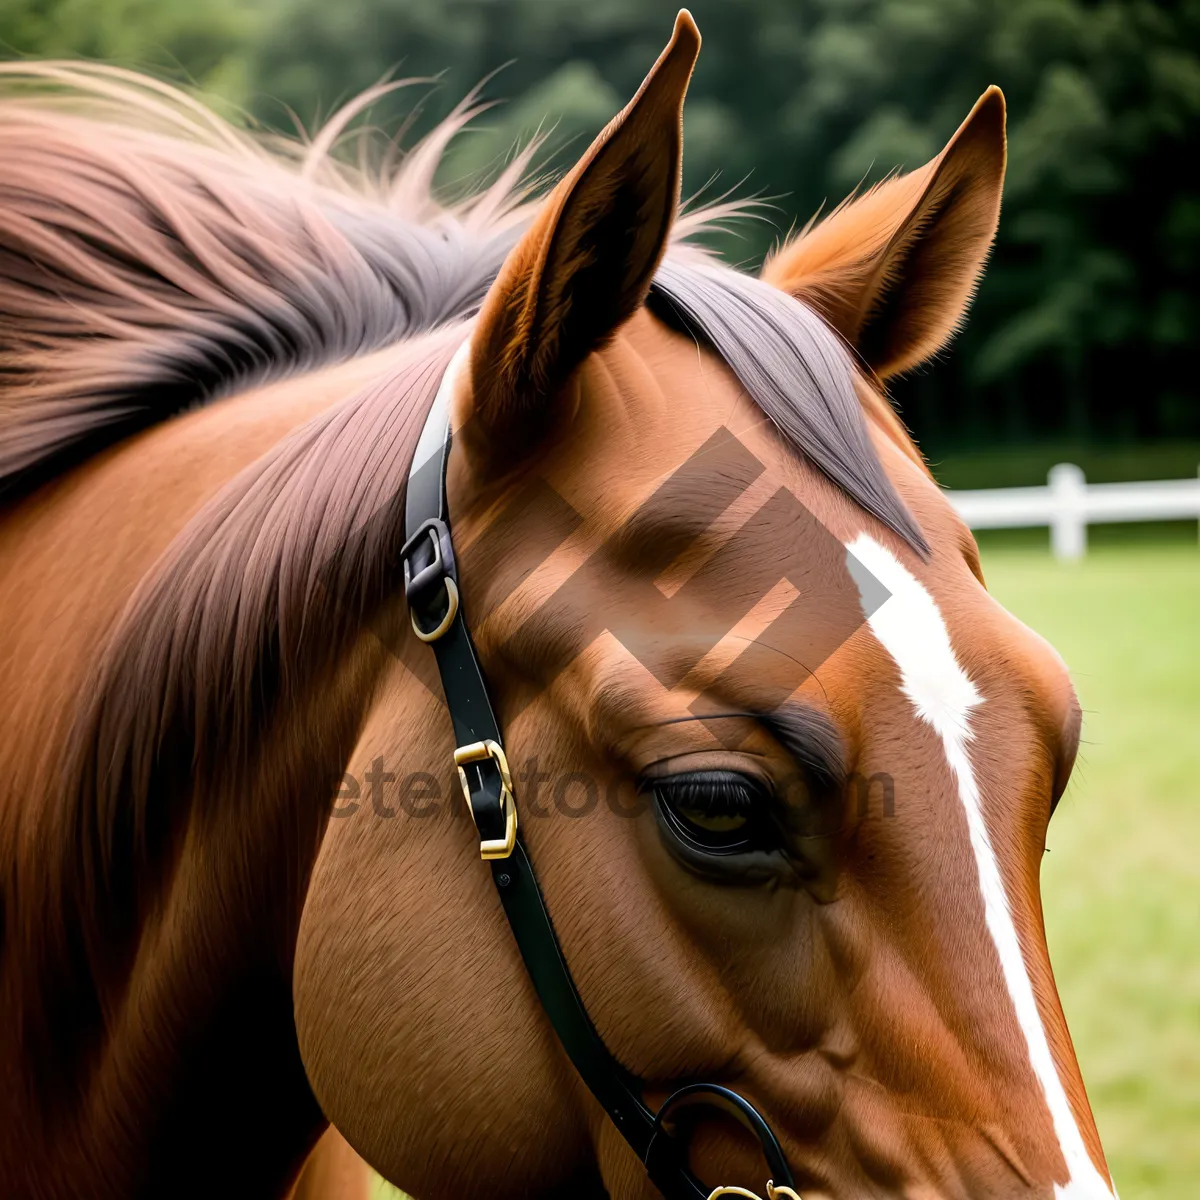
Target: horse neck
<point>150,913</point>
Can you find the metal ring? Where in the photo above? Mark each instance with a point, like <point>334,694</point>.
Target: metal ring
<point>773,1192</point>
<point>446,621</point>
<point>665,1156</point>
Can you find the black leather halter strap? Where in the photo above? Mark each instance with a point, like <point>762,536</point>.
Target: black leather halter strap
<point>431,586</point>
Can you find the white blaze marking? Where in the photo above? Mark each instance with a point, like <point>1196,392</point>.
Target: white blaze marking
<point>910,628</point>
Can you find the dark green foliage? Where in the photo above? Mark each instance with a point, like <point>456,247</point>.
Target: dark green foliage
<point>1085,324</point>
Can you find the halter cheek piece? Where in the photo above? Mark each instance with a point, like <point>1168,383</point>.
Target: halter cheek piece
<point>659,1139</point>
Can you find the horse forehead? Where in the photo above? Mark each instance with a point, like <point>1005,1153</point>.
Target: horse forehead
<point>1003,683</point>
<point>655,405</point>
<point>662,429</point>
<point>653,381</point>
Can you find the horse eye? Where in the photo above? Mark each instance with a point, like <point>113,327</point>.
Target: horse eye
<point>713,812</point>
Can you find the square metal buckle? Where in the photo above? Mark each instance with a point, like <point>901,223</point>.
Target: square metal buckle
<point>476,752</point>
<point>419,588</point>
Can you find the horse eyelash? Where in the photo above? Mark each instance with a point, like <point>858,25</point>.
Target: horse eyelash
<point>718,793</point>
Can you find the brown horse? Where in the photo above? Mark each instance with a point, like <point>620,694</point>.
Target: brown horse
<point>783,765</point>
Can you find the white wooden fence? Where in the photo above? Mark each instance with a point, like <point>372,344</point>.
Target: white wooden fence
<point>1068,504</point>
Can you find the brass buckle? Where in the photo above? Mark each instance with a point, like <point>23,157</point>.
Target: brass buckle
<point>477,752</point>
<point>773,1193</point>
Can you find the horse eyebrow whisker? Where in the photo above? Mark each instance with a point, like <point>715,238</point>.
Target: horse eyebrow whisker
<point>810,737</point>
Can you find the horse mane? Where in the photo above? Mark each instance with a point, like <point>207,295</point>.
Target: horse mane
<point>226,677</point>
<point>152,257</point>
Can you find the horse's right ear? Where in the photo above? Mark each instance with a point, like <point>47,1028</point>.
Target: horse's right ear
<point>585,265</point>
<point>894,270</point>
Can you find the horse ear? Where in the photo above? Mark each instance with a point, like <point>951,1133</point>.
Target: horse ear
<point>894,270</point>
<point>586,263</point>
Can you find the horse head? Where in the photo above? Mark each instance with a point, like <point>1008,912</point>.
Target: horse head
<point>784,766</point>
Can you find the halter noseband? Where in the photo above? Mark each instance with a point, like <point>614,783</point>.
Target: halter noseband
<point>659,1139</point>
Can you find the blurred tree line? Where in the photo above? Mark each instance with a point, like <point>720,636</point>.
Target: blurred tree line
<point>1085,324</point>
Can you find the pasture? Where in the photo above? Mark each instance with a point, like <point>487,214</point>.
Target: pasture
<point>1121,883</point>
<point>1122,878</point>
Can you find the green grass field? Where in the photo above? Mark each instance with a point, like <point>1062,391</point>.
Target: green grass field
<point>1121,883</point>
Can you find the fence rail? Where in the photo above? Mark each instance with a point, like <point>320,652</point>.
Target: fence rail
<point>1068,504</point>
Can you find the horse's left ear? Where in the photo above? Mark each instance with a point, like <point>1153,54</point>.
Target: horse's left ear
<point>586,264</point>
<point>894,270</point>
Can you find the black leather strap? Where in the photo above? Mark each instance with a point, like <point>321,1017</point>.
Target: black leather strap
<point>526,910</point>
<point>431,586</point>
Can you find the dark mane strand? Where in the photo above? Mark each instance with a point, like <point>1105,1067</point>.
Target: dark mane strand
<point>795,368</point>
<point>153,259</point>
